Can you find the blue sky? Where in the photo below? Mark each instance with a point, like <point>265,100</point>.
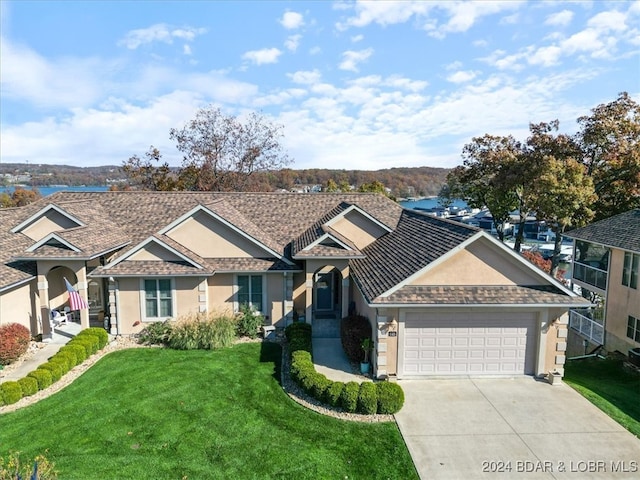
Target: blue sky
<point>356,85</point>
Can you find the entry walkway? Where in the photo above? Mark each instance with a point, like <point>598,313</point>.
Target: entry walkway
<point>61,335</point>
<point>330,360</point>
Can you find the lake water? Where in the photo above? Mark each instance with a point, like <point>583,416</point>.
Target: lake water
<point>46,191</point>
<point>429,203</point>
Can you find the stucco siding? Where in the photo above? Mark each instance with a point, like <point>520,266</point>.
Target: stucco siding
<point>51,222</point>
<point>18,306</point>
<point>154,252</point>
<point>221,293</point>
<point>479,264</point>
<point>275,300</point>
<point>210,238</point>
<point>622,301</point>
<point>357,228</point>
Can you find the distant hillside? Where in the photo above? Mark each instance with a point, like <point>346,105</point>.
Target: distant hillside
<point>403,182</point>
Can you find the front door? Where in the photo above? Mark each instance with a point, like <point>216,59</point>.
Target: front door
<point>324,292</point>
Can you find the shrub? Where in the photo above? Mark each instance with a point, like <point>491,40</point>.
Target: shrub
<point>54,368</point>
<point>390,397</point>
<point>29,386</point>
<point>75,353</point>
<point>217,332</point>
<point>101,333</point>
<point>249,321</point>
<point>14,342</point>
<point>332,393</point>
<point>65,360</point>
<point>10,392</point>
<point>14,467</point>
<point>349,397</point>
<point>300,362</point>
<point>320,385</point>
<point>367,398</point>
<point>42,376</point>
<point>88,342</point>
<point>353,330</point>
<point>157,333</point>
<point>184,335</point>
<point>299,337</point>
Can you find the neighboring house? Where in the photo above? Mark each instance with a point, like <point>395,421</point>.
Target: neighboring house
<point>443,298</point>
<point>606,266</point>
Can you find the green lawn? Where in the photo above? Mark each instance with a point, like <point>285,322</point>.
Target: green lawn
<point>167,414</point>
<point>609,387</point>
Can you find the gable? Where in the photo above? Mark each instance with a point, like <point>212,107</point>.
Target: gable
<point>154,252</point>
<point>51,221</point>
<point>211,238</point>
<point>358,228</point>
<point>479,263</point>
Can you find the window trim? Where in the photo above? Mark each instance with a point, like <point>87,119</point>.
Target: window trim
<point>630,269</point>
<point>143,302</point>
<point>236,290</point>
<point>635,329</point>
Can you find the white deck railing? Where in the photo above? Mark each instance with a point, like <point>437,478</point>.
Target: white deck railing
<point>589,323</point>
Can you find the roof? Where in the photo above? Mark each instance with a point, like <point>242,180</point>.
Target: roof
<point>620,231</point>
<point>418,240</point>
<point>120,221</point>
<point>515,295</point>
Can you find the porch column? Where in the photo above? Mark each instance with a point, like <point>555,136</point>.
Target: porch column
<point>81,275</point>
<point>113,311</point>
<point>309,297</point>
<point>345,296</point>
<point>45,311</point>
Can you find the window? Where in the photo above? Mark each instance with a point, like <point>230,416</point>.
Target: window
<point>158,298</point>
<point>250,291</point>
<point>633,328</point>
<point>630,269</point>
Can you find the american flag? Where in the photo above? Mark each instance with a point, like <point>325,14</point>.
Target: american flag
<point>76,302</point>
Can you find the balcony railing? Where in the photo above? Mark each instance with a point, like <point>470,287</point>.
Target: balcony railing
<point>591,275</point>
<point>590,324</point>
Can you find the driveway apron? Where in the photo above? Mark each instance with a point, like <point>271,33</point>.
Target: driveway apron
<point>511,428</point>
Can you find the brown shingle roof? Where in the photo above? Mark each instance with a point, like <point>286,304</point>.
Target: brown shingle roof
<point>620,231</point>
<point>481,295</point>
<point>418,240</point>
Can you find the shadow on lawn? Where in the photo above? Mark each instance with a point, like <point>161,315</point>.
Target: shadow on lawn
<point>272,353</point>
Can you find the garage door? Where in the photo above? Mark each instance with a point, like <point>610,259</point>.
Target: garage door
<point>468,344</point>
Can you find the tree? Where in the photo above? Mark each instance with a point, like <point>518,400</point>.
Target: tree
<point>220,153</point>
<point>610,142</point>
<point>481,180</point>
<point>331,186</point>
<point>146,175</point>
<point>22,196</point>
<point>563,193</point>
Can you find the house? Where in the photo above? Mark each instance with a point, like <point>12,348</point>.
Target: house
<point>443,298</point>
<point>605,266</point>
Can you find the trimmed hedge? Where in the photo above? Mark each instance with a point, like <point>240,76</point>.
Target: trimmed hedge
<point>77,351</point>
<point>65,361</point>
<point>14,342</point>
<point>353,330</point>
<point>89,342</point>
<point>349,397</point>
<point>390,397</point>
<point>42,376</point>
<point>101,333</point>
<point>10,392</point>
<point>29,386</point>
<point>367,398</point>
<point>54,368</point>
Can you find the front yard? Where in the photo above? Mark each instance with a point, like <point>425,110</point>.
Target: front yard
<point>161,413</point>
<point>612,389</point>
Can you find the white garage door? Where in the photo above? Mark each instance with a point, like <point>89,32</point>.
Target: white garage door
<point>468,344</point>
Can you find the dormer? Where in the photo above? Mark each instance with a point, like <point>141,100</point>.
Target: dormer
<point>358,226</point>
<point>46,221</point>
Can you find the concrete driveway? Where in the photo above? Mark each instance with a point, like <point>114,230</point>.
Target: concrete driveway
<point>511,428</point>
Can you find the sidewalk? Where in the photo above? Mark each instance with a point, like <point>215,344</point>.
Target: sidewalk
<point>41,356</point>
<point>330,360</point>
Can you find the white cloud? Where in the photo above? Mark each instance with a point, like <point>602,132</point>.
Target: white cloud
<point>260,57</point>
<point>510,19</point>
<point>351,59</point>
<point>292,42</point>
<point>357,38</point>
<point>462,76</point>
<point>186,49</point>
<point>546,56</point>
<point>605,21</point>
<point>559,19</point>
<point>292,20</point>
<point>305,77</point>
<point>457,65</point>
<point>160,32</point>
